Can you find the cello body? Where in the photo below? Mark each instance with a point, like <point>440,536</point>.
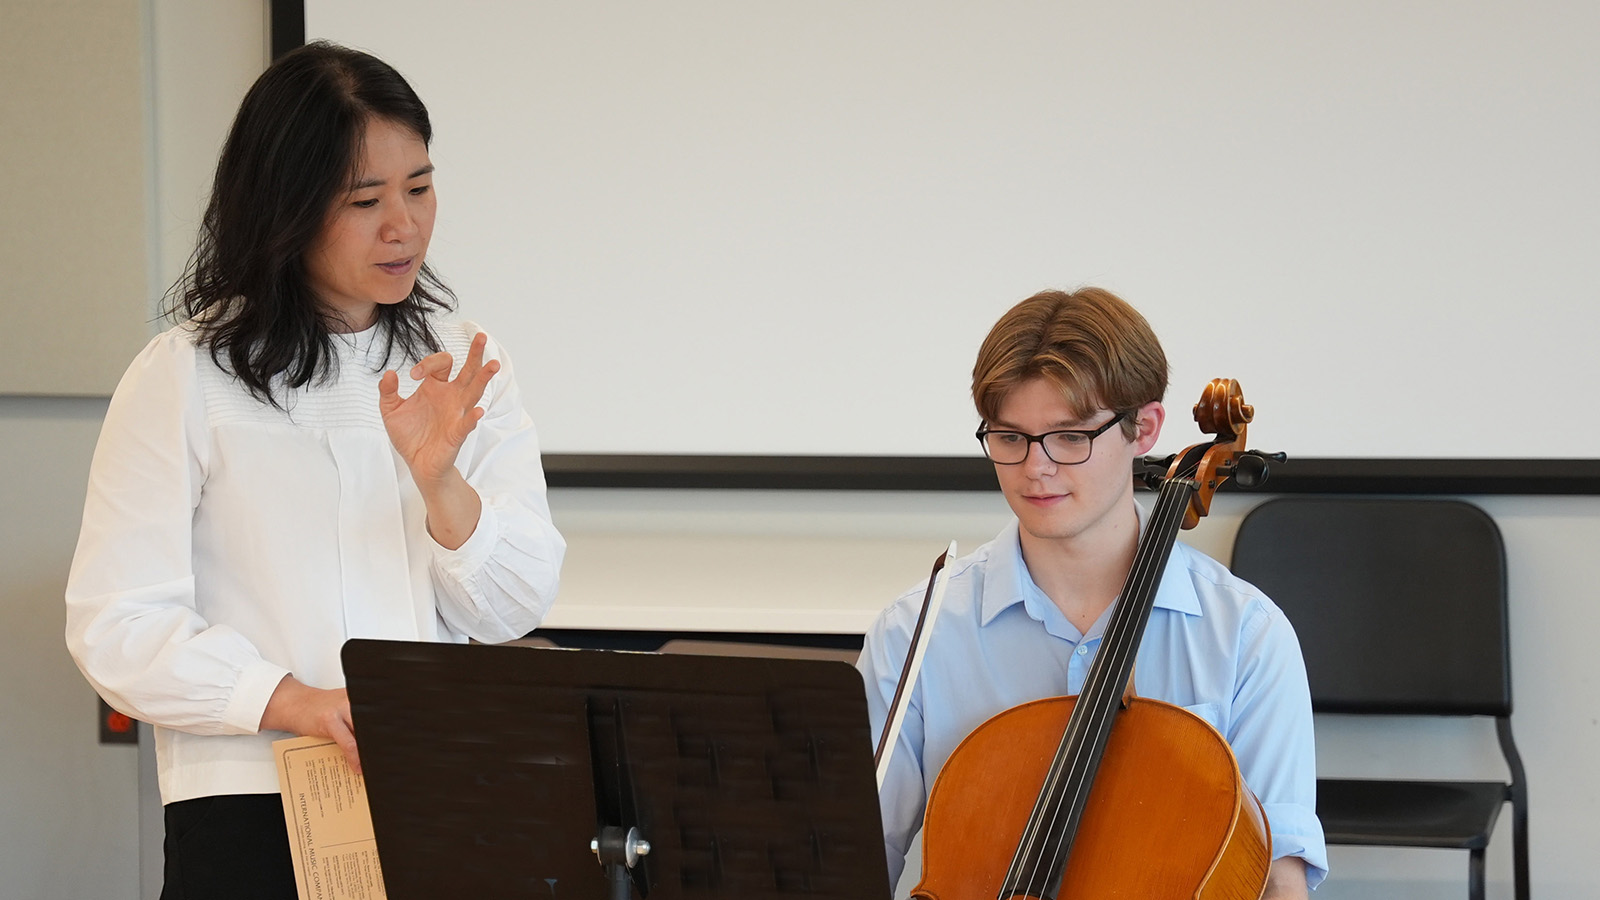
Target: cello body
<point>1198,831</point>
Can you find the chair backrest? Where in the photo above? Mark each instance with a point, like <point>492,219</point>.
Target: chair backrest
<point>1399,604</point>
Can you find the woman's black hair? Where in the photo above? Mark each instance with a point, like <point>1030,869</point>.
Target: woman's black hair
<point>294,149</point>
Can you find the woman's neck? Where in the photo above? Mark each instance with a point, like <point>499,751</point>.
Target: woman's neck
<point>339,320</point>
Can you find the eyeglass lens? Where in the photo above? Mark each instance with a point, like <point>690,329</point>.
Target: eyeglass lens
<point>1063,447</point>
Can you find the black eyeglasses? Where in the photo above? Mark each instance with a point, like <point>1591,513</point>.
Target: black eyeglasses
<point>1068,447</point>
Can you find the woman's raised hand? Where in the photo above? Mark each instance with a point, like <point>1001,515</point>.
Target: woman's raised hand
<point>429,427</point>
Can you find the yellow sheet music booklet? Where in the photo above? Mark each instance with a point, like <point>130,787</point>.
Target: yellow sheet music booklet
<point>330,825</point>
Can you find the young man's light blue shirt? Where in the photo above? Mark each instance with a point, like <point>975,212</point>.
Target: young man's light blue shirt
<point>1214,645</point>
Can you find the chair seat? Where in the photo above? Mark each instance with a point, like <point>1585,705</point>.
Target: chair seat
<point>1448,814</point>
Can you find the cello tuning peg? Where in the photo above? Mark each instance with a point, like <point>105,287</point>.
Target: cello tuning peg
<point>1250,471</point>
<point>1152,471</point>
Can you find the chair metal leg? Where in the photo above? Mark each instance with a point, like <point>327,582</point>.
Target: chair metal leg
<point>1518,792</point>
<point>1475,877</point>
<point>1519,844</point>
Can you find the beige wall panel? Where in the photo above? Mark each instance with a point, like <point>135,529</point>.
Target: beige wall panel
<point>73,277</point>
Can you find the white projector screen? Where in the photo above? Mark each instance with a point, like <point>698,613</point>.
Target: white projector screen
<point>784,227</point>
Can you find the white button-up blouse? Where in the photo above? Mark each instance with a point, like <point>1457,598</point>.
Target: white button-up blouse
<point>227,543</point>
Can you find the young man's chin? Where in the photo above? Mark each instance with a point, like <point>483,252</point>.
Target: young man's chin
<point>1050,528</point>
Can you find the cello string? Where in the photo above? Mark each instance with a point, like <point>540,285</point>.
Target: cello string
<point>1105,697</point>
<point>1105,693</point>
<point>1046,812</point>
<point>1045,825</point>
<point>1050,804</point>
<point>1056,802</point>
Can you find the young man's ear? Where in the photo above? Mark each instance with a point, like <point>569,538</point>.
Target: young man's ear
<point>1149,419</point>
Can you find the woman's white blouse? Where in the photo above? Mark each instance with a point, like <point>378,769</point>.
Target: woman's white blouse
<point>227,543</point>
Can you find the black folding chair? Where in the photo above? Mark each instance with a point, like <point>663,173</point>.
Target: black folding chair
<point>1400,606</point>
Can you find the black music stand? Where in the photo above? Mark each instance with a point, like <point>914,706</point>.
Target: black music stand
<point>508,772</point>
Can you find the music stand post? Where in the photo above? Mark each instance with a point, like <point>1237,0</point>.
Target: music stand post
<point>512,771</point>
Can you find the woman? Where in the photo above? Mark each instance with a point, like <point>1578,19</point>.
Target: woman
<point>260,492</point>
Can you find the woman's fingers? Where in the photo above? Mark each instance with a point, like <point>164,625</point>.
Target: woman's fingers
<point>473,379</point>
<point>475,373</point>
<point>388,391</point>
<point>342,734</point>
<point>469,369</point>
<point>472,391</point>
<point>336,723</point>
<point>434,365</point>
<point>448,407</point>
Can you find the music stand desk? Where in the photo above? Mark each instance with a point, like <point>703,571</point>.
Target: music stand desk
<point>491,770</point>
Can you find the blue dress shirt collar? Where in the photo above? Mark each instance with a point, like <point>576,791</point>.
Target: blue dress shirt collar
<point>1008,583</point>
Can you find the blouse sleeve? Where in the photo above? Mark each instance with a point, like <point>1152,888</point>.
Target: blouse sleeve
<point>500,583</point>
<point>132,625</point>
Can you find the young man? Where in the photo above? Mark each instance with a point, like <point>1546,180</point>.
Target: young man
<point>1069,387</point>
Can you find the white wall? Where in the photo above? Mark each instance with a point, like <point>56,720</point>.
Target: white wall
<point>70,808</point>
<point>60,792</point>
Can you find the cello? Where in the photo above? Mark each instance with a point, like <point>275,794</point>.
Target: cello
<point>1049,801</point>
